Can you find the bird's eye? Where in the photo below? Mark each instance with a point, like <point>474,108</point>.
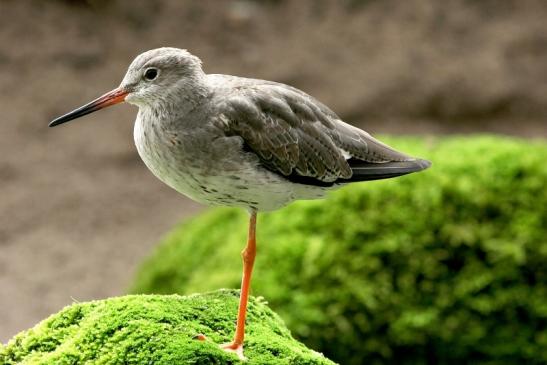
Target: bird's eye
<point>150,74</point>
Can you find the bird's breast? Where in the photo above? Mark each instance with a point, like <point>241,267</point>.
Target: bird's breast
<point>163,152</point>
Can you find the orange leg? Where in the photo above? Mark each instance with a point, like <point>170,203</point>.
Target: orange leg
<point>248,255</point>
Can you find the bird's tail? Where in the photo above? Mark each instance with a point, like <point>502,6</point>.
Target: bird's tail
<point>365,171</point>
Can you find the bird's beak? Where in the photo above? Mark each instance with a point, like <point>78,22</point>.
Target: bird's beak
<point>110,98</point>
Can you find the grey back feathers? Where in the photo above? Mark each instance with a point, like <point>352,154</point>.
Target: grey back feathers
<point>300,138</point>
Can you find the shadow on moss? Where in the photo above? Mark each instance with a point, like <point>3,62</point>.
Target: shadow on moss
<point>155,329</point>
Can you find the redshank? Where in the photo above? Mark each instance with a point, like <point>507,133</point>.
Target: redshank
<point>255,144</point>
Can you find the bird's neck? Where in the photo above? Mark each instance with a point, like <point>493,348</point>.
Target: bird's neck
<point>180,101</point>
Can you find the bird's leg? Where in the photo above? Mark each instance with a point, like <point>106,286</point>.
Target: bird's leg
<point>248,255</point>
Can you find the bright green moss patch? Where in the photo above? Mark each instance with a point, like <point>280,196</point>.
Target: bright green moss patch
<point>444,266</point>
<point>159,330</point>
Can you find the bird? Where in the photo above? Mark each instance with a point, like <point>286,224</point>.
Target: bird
<point>242,142</point>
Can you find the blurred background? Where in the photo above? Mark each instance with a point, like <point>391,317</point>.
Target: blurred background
<point>79,210</point>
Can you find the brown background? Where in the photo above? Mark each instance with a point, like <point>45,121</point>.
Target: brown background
<point>78,210</point>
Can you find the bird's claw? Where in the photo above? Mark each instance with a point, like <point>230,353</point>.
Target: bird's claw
<point>234,348</point>
<point>228,347</point>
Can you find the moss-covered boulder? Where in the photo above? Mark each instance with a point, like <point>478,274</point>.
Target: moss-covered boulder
<point>159,330</point>
<point>444,266</point>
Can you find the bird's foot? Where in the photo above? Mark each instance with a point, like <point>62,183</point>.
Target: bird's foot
<point>235,348</point>
<point>228,347</point>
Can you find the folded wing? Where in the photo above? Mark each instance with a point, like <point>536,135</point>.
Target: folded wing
<point>301,139</point>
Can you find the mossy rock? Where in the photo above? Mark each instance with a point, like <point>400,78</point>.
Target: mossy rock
<point>156,329</point>
<point>443,266</point>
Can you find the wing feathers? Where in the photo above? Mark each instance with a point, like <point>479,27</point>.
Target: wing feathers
<point>303,140</point>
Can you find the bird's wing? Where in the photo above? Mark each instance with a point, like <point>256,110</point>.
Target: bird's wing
<point>300,138</point>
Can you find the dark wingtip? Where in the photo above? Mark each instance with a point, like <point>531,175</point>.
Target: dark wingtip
<point>422,164</point>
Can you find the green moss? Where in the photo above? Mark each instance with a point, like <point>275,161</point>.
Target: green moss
<point>154,329</point>
<point>443,266</point>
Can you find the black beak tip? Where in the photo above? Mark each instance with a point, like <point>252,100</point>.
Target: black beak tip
<point>57,121</point>
<point>67,118</point>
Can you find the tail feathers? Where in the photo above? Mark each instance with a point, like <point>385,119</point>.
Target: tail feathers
<point>365,171</point>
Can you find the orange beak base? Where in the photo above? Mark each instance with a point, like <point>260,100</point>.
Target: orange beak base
<point>110,98</point>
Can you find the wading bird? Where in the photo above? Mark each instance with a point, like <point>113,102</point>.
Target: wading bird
<point>255,144</point>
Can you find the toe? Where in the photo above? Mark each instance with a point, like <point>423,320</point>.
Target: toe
<point>234,348</point>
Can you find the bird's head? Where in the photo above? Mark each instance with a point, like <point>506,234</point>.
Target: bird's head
<point>154,76</point>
